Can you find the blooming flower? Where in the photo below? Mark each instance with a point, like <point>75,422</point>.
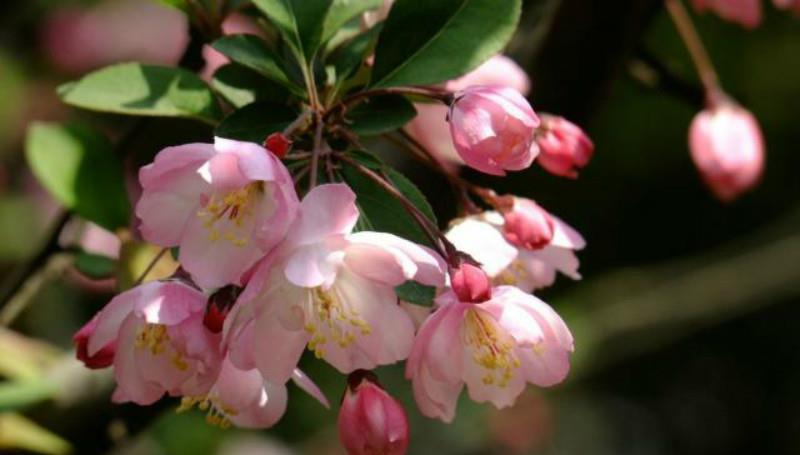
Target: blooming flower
<point>746,13</point>
<point>563,147</point>
<point>494,348</point>
<point>728,149</point>
<point>161,343</point>
<point>430,126</point>
<point>225,204</point>
<point>331,290</point>
<point>493,129</point>
<point>481,237</point>
<point>370,420</point>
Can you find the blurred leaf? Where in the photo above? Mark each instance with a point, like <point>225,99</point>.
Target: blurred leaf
<point>19,433</point>
<point>24,358</point>
<point>18,224</point>
<point>137,89</point>
<point>416,293</point>
<point>450,37</point>
<point>95,266</point>
<point>177,4</point>
<point>135,257</point>
<point>299,21</point>
<point>242,86</point>
<point>78,167</point>
<point>381,114</point>
<point>342,11</point>
<point>255,122</point>
<point>382,211</point>
<point>348,58</point>
<point>252,52</point>
<point>23,393</point>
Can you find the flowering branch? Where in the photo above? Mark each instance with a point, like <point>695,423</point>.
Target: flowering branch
<point>688,32</point>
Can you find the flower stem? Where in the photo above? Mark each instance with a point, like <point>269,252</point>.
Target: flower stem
<point>688,33</point>
<point>315,152</point>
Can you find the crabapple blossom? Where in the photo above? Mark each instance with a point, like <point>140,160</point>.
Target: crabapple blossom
<point>494,348</point>
<point>331,290</point>
<point>225,204</point>
<point>430,126</point>
<point>728,149</point>
<point>161,343</point>
<point>493,129</point>
<point>481,236</point>
<point>471,284</point>
<point>370,420</point>
<point>746,13</point>
<point>100,359</point>
<point>563,147</point>
<point>527,225</point>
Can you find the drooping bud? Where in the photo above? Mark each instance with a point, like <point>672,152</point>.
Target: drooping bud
<point>527,225</point>
<point>278,144</point>
<point>218,307</point>
<point>370,420</point>
<point>728,149</point>
<point>102,358</point>
<point>493,127</point>
<point>563,147</point>
<point>471,284</point>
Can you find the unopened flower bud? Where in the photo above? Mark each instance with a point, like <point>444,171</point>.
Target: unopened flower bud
<point>527,225</point>
<point>218,307</point>
<point>471,284</point>
<point>370,420</point>
<point>563,147</point>
<point>102,358</point>
<point>728,149</point>
<point>278,144</point>
<point>493,128</point>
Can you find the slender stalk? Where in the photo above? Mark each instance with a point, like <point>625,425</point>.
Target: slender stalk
<point>315,153</point>
<point>690,37</point>
<point>150,266</point>
<point>297,123</point>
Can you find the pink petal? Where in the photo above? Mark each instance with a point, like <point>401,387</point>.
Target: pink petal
<point>327,210</point>
<point>308,386</point>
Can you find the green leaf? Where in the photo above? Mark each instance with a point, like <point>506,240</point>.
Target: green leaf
<point>242,86</point>
<point>252,52</point>
<point>342,12</point>
<point>300,22</point>
<point>381,114</point>
<point>255,122</point>
<point>22,434</point>
<point>413,292</point>
<point>450,38</point>
<point>177,4</point>
<point>78,167</point>
<point>95,266</point>
<point>348,58</point>
<point>382,211</point>
<point>136,89</point>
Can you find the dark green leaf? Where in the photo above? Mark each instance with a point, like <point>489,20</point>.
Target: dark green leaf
<point>252,52</point>
<point>255,122</point>
<point>95,266</point>
<point>348,58</point>
<point>381,114</point>
<point>342,11</point>
<point>79,168</point>
<point>242,86</point>
<point>136,89</point>
<point>413,292</point>
<point>449,38</point>
<point>300,22</point>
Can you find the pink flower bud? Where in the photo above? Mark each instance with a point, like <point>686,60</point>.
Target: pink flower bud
<point>564,147</point>
<point>527,225</point>
<point>370,420</point>
<point>102,358</point>
<point>493,128</point>
<point>746,13</point>
<point>728,149</point>
<point>218,307</point>
<point>471,284</point>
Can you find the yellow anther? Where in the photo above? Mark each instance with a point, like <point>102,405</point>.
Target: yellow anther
<point>492,349</point>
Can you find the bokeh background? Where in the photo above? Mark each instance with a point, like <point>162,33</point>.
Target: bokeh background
<point>687,321</point>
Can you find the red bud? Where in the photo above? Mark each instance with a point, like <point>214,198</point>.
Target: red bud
<point>471,284</point>
<point>278,144</point>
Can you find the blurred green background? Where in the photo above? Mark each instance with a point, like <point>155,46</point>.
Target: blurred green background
<point>687,319</point>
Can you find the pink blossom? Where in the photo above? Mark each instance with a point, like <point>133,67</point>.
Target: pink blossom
<point>77,40</point>
<point>331,290</point>
<point>746,13</point>
<point>225,204</point>
<point>430,126</point>
<point>102,358</point>
<point>563,147</point>
<point>494,348</point>
<point>370,420</point>
<point>793,5</point>
<point>527,225</point>
<point>728,149</point>
<point>161,343</point>
<point>493,129</point>
<point>481,237</point>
